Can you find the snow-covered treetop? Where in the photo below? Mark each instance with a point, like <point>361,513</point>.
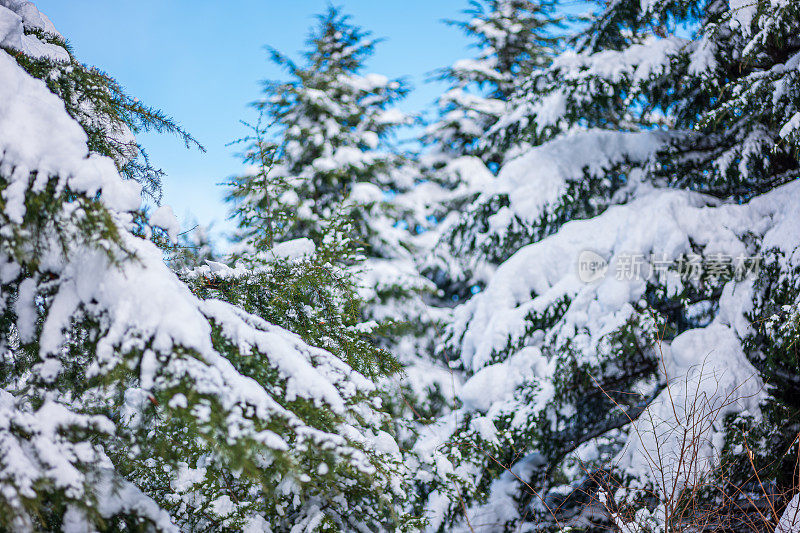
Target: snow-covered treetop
<point>510,40</point>
<point>513,38</point>
<point>330,104</point>
<point>326,128</point>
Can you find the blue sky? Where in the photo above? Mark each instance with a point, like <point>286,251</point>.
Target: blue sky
<point>200,61</point>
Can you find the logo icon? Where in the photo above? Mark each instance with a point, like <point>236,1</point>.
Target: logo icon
<point>591,266</point>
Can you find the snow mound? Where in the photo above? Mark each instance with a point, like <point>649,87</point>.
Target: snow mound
<point>538,178</point>
<point>16,17</point>
<point>38,136</point>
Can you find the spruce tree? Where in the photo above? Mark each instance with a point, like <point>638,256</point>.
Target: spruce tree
<point>649,394</point>
<point>317,135</point>
<point>513,38</point>
<point>325,170</point>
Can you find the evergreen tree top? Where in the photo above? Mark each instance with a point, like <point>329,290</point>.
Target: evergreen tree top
<point>335,57</point>
<point>337,45</point>
<point>327,102</point>
<point>512,39</point>
<point>325,128</point>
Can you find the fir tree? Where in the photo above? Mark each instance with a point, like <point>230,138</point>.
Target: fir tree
<point>132,399</point>
<point>318,134</point>
<point>353,289</point>
<point>513,38</point>
<point>323,164</point>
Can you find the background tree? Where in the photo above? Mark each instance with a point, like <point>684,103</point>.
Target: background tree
<point>324,169</point>
<point>318,134</point>
<point>513,38</point>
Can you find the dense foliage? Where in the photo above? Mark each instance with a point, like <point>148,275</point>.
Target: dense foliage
<point>651,392</point>
<point>575,309</point>
<point>133,399</point>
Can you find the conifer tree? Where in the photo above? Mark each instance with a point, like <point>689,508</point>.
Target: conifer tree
<point>513,38</point>
<point>324,163</point>
<point>132,399</point>
<point>318,134</point>
<point>634,396</point>
<point>329,189</point>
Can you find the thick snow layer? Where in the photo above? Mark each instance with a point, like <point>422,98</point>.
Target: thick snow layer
<point>294,249</point>
<point>467,104</point>
<point>494,384</point>
<point>637,62</point>
<point>32,445</point>
<point>116,497</point>
<point>485,67</point>
<point>37,135</point>
<point>23,461</point>
<point>709,378</point>
<point>365,193</point>
<point>469,172</point>
<point>31,17</point>
<point>548,269</point>
<point>573,79</point>
<point>742,14</point>
<point>15,17</point>
<point>144,300</point>
<point>538,178</point>
<point>10,28</point>
<point>165,218</point>
<point>707,373</point>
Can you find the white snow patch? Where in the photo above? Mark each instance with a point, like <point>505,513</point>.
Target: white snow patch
<point>165,218</point>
